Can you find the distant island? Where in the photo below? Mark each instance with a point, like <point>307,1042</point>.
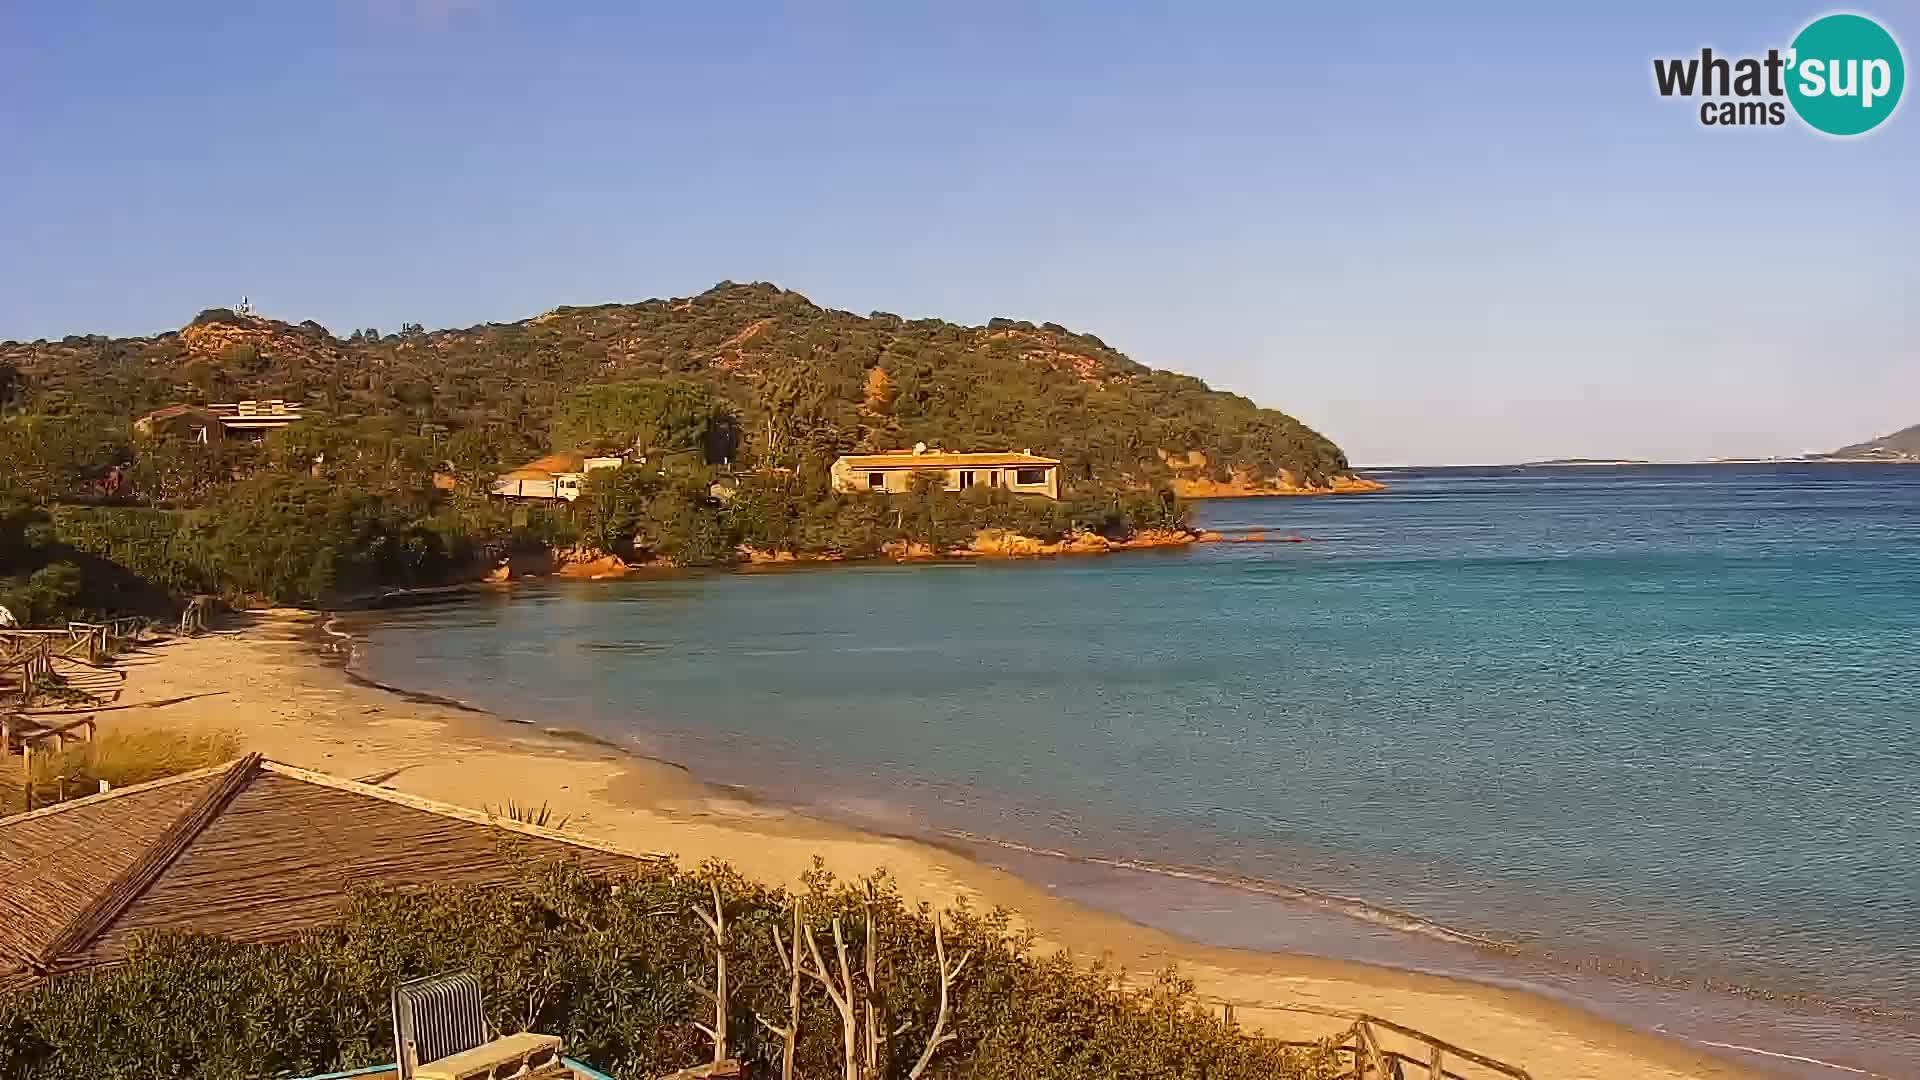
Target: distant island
<point>1586,461</point>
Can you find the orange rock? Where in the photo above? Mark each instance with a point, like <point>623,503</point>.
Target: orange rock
<point>1242,484</point>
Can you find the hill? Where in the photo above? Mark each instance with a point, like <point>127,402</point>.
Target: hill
<point>1902,445</point>
<point>728,408</point>
<point>800,378</point>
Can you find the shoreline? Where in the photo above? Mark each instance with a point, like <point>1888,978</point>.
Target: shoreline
<point>289,694</point>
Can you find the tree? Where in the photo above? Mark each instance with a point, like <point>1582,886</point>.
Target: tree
<point>13,385</point>
<point>176,472</point>
<point>683,523</point>
<point>299,540</point>
<point>647,415</point>
<point>45,596</point>
<point>614,503</point>
<point>50,458</point>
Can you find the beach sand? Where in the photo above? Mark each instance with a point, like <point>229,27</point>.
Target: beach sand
<point>271,684</point>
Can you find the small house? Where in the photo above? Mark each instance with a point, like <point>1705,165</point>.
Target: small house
<point>246,420</point>
<point>556,476</point>
<point>1024,473</point>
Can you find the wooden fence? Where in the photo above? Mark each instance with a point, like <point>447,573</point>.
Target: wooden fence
<point>28,736</point>
<point>74,661</point>
<point>71,664</point>
<point>1370,1048</point>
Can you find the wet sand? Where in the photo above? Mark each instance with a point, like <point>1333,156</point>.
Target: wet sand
<point>272,684</point>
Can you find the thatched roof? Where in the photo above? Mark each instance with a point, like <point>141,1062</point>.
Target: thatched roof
<point>253,850</point>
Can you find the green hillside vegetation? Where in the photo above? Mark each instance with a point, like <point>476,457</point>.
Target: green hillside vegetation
<point>750,384</point>
<point>617,972</point>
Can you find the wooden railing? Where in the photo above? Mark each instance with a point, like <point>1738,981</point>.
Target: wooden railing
<point>1372,1048</point>
<point>75,660</point>
<point>27,736</point>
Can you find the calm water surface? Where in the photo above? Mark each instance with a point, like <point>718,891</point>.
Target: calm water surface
<point>1656,728</point>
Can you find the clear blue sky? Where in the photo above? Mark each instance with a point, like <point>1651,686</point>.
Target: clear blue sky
<point>1440,233</point>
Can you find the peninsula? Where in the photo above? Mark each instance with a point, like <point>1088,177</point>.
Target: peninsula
<point>248,456</point>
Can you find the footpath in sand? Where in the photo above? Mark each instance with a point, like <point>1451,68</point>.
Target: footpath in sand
<point>271,685</point>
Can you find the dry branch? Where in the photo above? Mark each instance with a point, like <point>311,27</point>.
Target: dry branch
<point>717,923</point>
<point>940,1034</point>
<point>841,994</point>
<point>790,959</point>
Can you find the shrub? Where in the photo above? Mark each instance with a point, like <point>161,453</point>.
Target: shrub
<point>608,965</point>
<point>144,542</point>
<point>219,316</point>
<point>299,540</point>
<point>44,595</point>
<point>648,414</point>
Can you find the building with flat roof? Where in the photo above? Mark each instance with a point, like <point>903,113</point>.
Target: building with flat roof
<point>228,420</point>
<point>556,476</point>
<point>1023,473</point>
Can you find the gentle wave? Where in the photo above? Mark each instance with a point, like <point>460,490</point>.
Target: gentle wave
<point>1351,906</point>
<point>1790,1057</point>
<point>1408,922</point>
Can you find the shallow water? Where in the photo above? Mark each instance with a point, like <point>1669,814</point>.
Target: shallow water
<point>1652,728</point>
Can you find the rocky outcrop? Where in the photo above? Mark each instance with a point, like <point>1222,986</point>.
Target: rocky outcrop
<point>763,556</point>
<point>1242,486</point>
<point>589,566</point>
<point>1192,479</point>
<point>580,564</point>
<point>248,341</point>
<point>1002,544</point>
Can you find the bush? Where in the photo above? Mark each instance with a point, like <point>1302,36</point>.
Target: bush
<point>219,316</point>
<point>607,966</point>
<point>144,542</point>
<point>1118,515</point>
<point>645,414</point>
<point>683,523</point>
<point>299,540</point>
<point>43,596</point>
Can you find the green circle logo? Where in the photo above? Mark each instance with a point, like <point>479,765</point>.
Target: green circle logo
<point>1845,74</point>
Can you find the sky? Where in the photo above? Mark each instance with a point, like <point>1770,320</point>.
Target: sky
<point>1437,233</point>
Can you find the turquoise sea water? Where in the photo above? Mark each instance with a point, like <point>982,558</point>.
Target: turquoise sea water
<point>1656,729</point>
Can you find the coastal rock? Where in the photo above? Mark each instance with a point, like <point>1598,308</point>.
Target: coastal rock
<point>1242,486</point>
<point>760,556</point>
<point>903,550</point>
<point>1191,480</point>
<point>1154,538</point>
<point>594,566</point>
<point>1005,544</point>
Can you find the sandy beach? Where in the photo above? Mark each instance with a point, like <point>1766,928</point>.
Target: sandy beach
<point>272,685</point>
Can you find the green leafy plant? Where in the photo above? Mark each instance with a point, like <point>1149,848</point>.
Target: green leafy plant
<point>613,966</point>
<point>529,814</point>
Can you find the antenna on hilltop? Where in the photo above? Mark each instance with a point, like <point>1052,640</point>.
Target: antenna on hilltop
<point>246,305</point>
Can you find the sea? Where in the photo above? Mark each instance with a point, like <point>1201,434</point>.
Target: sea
<point>1643,739</point>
